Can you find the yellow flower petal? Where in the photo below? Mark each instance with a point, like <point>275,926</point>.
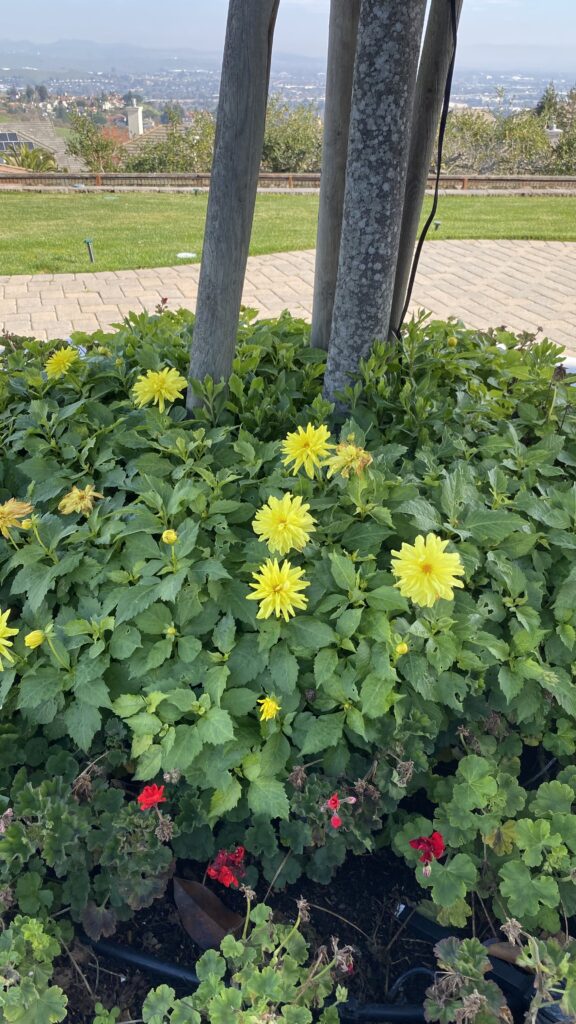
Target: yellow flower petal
<point>59,363</point>
<point>5,643</point>
<point>306,448</point>
<point>159,387</point>
<point>35,638</point>
<point>269,708</point>
<point>79,500</point>
<point>278,587</point>
<point>284,523</point>
<point>348,458</point>
<point>426,572</point>
<point>169,537</point>
<point>12,514</point>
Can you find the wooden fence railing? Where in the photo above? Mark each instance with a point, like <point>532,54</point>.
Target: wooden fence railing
<point>466,183</point>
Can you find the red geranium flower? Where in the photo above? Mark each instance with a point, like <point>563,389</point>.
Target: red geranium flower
<point>336,821</point>
<point>333,803</point>
<point>228,868</point>
<point>151,796</point>
<point>431,847</point>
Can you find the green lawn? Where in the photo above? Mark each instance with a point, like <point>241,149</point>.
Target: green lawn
<point>43,233</point>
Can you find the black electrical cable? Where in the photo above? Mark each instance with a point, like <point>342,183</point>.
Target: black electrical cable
<point>412,972</point>
<point>350,1013</point>
<point>441,133</point>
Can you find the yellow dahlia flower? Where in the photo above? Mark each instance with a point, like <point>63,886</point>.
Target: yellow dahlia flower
<point>278,587</point>
<point>34,639</point>
<point>79,500</point>
<point>348,458</point>
<point>426,572</point>
<point>59,363</point>
<point>159,387</point>
<point>12,512</point>
<point>284,523</point>
<point>170,537</point>
<point>5,643</point>
<point>306,448</point>
<point>269,708</point>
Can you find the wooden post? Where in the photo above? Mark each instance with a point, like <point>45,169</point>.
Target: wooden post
<point>389,37</point>
<point>233,186</point>
<point>344,15</point>
<point>434,63</point>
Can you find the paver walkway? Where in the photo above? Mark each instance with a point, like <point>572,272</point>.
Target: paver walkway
<point>524,285</point>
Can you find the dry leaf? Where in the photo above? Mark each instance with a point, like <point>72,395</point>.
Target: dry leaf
<point>204,916</point>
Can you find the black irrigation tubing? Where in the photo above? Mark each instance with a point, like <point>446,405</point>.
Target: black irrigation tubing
<point>350,1013</point>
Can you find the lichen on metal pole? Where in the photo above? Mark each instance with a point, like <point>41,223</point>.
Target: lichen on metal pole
<point>234,181</point>
<point>389,37</point>
<point>343,31</point>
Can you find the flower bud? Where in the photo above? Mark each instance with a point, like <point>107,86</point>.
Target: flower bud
<point>170,537</point>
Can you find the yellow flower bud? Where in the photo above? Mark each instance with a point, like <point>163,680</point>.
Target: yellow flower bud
<point>402,648</point>
<point>452,342</point>
<point>171,631</point>
<point>27,524</point>
<point>35,638</point>
<point>170,537</point>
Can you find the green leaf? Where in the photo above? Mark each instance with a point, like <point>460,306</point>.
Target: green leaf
<point>377,694</point>
<point>185,749</point>
<point>490,525</point>
<point>124,641</point>
<point>224,633</point>
<point>478,786</point>
<point>226,797</point>
<point>525,893</point>
<point>82,722</point>
<point>552,798</point>
<point>325,665</point>
<point>135,599</point>
<point>267,798</point>
<point>309,632</point>
<point>189,648</point>
<point>215,727</point>
<point>386,599</point>
<point>323,732</point>
<point>343,571</point>
<point>452,881</point>
<point>149,763</point>
<point>283,667</point>
<point>511,683</point>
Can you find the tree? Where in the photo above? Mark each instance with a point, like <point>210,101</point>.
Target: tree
<point>237,154</point>
<point>32,159</point>
<point>387,52</point>
<point>548,104</point>
<point>181,152</point>
<point>131,98</point>
<point>292,138</point>
<point>89,143</point>
<point>173,113</point>
<point>30,93</point>
<point>343,32</point>
<point>436,60</point>
<point>42,93</point>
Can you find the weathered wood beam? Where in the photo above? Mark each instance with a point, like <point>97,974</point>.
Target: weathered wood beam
<point>344,15</point>
<point>237,154</point>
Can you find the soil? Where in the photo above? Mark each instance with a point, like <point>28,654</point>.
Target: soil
<point>359,906</point>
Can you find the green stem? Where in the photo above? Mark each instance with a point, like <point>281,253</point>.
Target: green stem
<point>284,943</point>
<point>247,918</point>
<point>50,643</point>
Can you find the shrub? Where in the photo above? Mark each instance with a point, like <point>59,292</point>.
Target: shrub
<point>427,715</point>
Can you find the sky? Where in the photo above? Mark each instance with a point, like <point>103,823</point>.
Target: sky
<point>537,34</point>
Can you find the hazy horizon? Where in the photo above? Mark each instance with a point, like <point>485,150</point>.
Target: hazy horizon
<point>537,35</point>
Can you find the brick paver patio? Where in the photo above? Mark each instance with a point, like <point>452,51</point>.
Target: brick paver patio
<point>524,285</point>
